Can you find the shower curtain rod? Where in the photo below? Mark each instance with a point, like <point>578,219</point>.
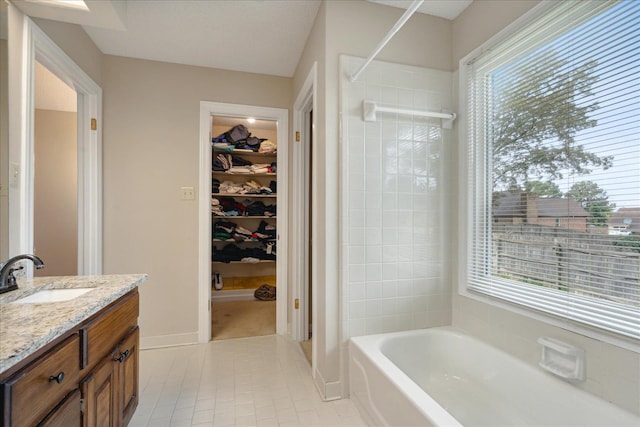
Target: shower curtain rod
<point>370,108</point>
<point>404,18</point>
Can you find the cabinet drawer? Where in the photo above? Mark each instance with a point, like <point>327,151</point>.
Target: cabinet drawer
<point>100,336</point>
<point>35,390</point>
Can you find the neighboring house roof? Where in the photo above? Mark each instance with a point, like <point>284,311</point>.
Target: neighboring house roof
<point>513,205</point>
<point>629,217</point>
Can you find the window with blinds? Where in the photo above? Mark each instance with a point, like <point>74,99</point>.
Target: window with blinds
<point>553,133</point>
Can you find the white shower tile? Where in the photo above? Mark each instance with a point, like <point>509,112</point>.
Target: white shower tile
<point>374,290</point>
<point>405,187</point>
<point>357,235</point>
<point>405,235</point>
<point>389,201</point>
<point>356,254</point>
<point>405,98</point>
<point>389,271</point>
<point>373,272</point>
<point>390,218</point>
<point>389,289</point>
<point>405,269</point>
<point>355,146</point>
<point>373,219</point>
<point>390,170</point>
<point>390,235</point>
<point>390,254</point>
<point>356,181</point>
<point>357,217</point>
<point>389,95</point>
<point>405,287</point>
<point>373,93</point>
<point>373,236</point>
<point>374,308</point>
<point>405,304</point>
<point>357,291</point>
<point>373,254</point>
<point>357,327</point>
<point>357,273</point>
<point>373,185</point>
<point>389,306</point>
<point>357,309</point>
<point>356,199</point>
<point>373,202</point>
<point>421,184</point>
<point>373,325</point>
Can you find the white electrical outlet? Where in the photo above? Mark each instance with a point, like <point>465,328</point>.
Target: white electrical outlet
<point>187,193</point>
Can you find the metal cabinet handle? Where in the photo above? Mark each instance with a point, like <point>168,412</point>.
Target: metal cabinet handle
<point>57,378</point>
<point>123,355</point>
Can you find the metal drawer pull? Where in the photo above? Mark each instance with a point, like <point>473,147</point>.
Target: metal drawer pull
<point>57,378</point>
<point>123,355</point>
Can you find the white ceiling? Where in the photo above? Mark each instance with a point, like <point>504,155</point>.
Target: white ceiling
<point>261,36</point>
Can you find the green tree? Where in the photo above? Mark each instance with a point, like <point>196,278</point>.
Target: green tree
<point>538,109</point>
<point>543,189</point>
<point>593,199</point>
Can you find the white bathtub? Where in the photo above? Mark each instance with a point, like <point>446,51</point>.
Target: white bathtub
<point>442,377</point>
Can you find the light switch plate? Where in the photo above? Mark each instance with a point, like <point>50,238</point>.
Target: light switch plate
<point>187,193</point>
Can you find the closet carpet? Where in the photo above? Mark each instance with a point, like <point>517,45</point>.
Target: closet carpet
<point>240,319</point>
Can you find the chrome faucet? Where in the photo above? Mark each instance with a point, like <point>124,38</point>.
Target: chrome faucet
<point>8,281</point>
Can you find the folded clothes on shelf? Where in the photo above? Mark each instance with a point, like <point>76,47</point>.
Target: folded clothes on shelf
<point>229,206</point>
<point>231,252</point>
<point>227,230</point>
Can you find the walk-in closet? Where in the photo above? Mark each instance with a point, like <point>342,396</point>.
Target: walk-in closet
<point>244,220</point>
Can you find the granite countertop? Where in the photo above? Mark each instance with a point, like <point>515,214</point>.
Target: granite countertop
<point>25,328</point>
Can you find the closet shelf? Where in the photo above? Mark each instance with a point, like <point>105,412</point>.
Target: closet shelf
<point>243,241</point>
<point>273,195</point>
<point>220,173</point>
<point>241,217</point>
<point>262,261</point>
<point>244,153</point>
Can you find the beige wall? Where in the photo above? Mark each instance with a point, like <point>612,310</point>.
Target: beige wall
<point>613,373</point>
<point>55,218</point>
<point>151,114</point>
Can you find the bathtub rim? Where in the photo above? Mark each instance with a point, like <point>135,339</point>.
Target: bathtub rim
<point>420,399</point>
<point>371,348</point>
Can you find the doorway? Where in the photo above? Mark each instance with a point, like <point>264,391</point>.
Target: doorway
<point>307,286</point>
<point>39,47</point>
<point>55,216</point>
<point>305,315</point>
<point>244,196</point>
<point>276,215</point>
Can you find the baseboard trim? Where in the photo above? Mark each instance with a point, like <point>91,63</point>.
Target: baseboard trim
<point>233,295</point>
<point>328,391</point>
<point>175,340</point>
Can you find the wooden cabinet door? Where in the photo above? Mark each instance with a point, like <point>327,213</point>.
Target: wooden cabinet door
<point>68,414</point>
<point>128,375</point>
<point>100,395</point>
<point>34,391</point>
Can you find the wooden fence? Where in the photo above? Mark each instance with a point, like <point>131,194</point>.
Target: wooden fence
<point>565,259</point>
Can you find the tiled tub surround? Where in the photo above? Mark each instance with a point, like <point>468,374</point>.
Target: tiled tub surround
<point>25,328</point>
<point>393,233</point>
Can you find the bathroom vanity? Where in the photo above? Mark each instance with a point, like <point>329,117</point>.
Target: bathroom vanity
<point>69,351</point>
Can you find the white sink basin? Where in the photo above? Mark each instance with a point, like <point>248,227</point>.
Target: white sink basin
<point>53,295</point>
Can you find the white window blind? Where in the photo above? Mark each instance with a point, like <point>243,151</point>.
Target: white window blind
<point>554,165</point>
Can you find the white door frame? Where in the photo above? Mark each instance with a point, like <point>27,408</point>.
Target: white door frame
<point>305,102</point>
<point>37,46</point>
<point>281,116</point>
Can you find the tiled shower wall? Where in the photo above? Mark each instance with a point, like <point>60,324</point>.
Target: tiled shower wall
<point>394,225</point>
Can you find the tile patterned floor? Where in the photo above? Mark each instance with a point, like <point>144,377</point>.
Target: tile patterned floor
<point>258,381</point>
